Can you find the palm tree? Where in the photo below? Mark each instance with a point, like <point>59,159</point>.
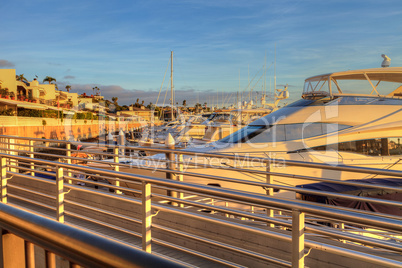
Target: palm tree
<point>49,79</point>
<point>21,78</point>
<point>68,88</point>
<point>95,88</point>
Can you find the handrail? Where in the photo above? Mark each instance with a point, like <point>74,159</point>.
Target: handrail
<point>330,211</point>
<point>228,156</point>
<point>78,246</point>
<point>299,190</point>
<point>263,160</point>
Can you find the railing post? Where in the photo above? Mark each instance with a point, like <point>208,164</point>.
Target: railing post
<point>8,146</point>
<point>342,226</point>
<point>11,151</point>
<point>180,176</point>
<point>68,154</point>
<point>146,217</point>
<point>3,174</point>
<point>170,143</point>
<point>12,250</point>
<point>270,191</point>
<point>116,166</point>
<point>122,142</point>
<point>31,155</point>
<point>50,259</point>
<point>297,238</point>
<point>60,194</point>
<point>29,255</point>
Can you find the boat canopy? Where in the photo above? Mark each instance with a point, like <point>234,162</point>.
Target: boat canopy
<point>376,82</point>
<point>358,191</point>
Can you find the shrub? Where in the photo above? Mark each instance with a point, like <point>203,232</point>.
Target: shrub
<point>8,112</point>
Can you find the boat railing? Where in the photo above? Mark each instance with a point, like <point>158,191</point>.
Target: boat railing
<point>287,215</point>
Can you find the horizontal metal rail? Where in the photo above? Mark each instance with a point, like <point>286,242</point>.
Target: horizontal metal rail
<point>274,186</point>
<point>330,211</point>
<point>226,156</point>
<point>77,246</point>
<point>223,245</point>
<point>262,160</point>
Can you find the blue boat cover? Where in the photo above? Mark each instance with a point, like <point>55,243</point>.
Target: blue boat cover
<point>393,195</point>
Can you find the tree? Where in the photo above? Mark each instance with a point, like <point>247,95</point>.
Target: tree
<point>95,88</point>
<point>49,79</point>
<point>114,99</point>
<point>184,103</point>
<point>21,78</point>
<point>150,106</point>
<point>68,88</point>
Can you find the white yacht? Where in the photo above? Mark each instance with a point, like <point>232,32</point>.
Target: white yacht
<point>225,124</point>
<point>344,118</point>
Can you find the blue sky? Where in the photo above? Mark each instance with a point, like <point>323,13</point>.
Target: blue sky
<point>123,47</point>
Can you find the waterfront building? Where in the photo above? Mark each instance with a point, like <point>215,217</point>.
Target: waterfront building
<point>138,112</point>
<point>32,92</point>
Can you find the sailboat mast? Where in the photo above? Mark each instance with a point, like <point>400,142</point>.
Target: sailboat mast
<point>171,84</point>
<point>237,99</point>
<point>275,71</point>
<point>265,76</point>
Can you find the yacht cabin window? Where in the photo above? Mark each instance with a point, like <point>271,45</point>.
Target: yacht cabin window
<point>375,147</point>
<point>276,133</point>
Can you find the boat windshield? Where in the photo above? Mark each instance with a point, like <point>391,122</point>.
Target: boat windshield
<point>244,134</point>
<point>354,83</point>
<point>217,117</point>
<point>357,100</point>
<point>282,132</point>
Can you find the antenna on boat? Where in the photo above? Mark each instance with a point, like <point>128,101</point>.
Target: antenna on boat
<point>386,62</point>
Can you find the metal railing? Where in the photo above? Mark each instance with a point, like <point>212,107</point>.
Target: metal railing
<point>298,216</point>
<point>79,247</point>
<point>298,210</point>
<point>176,165</point>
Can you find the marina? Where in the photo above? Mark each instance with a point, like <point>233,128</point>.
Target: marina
<point>298,186</point>
<point>200,134</point>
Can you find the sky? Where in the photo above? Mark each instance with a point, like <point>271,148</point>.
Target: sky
<point>220,46</point>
